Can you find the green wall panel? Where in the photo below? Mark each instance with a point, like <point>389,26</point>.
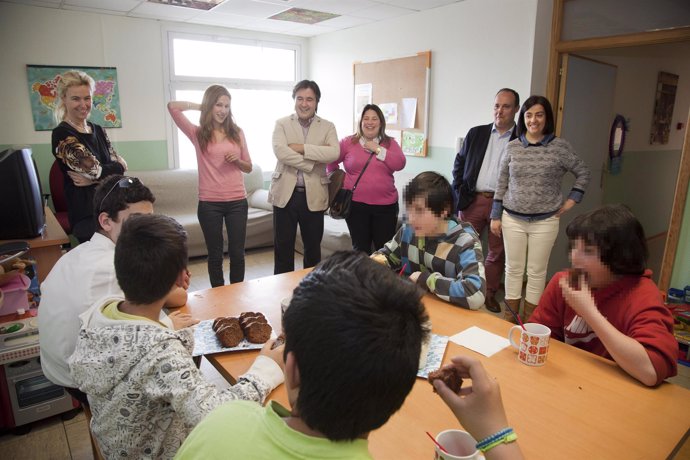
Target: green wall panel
<point>140,155</point>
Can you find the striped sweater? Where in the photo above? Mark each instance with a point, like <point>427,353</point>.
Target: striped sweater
<point>451,265</point>
<point>530,178</point>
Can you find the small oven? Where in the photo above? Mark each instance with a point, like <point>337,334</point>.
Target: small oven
<point>25,393</point>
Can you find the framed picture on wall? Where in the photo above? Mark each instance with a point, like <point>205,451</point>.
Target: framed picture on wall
<point>666,87</point>
<point>43,80</point>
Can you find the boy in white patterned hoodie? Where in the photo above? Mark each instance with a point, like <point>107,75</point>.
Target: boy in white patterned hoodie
<point>145,392</point>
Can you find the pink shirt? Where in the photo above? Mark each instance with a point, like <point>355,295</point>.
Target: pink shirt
<point>377,185</point>
<point>218,179</point>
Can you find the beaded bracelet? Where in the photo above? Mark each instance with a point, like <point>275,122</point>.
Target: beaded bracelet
<point>506,435</point>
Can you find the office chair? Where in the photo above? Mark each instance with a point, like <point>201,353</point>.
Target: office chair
<point>57,191</point>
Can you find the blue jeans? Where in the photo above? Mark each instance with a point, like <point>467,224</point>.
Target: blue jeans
<point>211,215</point>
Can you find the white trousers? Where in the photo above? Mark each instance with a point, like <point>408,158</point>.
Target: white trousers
<point>527,244</point>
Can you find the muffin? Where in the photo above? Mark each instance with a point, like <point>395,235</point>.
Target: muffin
<point>449,375</point>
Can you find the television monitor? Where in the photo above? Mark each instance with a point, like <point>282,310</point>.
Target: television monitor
<point>22,214</point>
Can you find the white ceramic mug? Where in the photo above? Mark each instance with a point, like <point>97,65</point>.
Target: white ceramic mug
<point>534,343</point>
<point>460,445</point>
<point>284,305</point>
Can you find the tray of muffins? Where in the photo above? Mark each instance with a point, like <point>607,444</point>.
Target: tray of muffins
<point>249,331</point>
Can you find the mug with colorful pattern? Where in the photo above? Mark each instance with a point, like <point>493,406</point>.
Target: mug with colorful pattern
<point>534,343</point>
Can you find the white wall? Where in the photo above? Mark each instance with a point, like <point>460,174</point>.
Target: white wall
<point>542,43</point>
<point>638,70</point>
<point>477,46</point>
<point>655,166</point>
<point>56,37</point>
<point>34,35</point>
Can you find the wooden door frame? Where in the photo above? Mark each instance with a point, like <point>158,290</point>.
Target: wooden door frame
<point>559,47</point>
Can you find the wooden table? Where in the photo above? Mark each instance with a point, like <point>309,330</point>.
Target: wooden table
<point>46,249</point>
<point>577,406</point>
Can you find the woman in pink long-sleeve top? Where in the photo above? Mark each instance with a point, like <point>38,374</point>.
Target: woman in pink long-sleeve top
<point>374,213</point>
<point>222,157</point>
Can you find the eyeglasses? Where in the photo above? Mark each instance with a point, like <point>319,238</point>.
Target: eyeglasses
<point>125,182</point>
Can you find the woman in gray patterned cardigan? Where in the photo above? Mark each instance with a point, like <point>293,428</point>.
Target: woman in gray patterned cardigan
<point>528,201</point>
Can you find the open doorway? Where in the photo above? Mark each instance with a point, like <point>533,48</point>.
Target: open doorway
<point>673,165</point>
<point>647,177</point>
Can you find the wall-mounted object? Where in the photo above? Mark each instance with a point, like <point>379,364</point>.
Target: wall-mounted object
<point>43,79</point>
<point>666,87</point>
<point>402,83</point>
<point>616,144</point>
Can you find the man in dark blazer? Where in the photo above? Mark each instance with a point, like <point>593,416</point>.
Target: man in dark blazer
<point>474,180</point>
<point>303,144</point>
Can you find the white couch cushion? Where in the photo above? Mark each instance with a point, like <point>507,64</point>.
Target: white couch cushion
<point>177,191</point>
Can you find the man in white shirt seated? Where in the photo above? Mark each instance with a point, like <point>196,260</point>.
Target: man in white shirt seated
<point>87,273</point>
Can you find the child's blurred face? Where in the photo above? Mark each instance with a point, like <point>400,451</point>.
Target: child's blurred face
<point>586,257</point>
<point>423,220</point>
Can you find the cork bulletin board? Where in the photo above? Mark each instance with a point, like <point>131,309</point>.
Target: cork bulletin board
<point>398,85</point>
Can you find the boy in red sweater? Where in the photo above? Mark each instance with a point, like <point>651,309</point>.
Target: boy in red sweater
<point>616,311</point>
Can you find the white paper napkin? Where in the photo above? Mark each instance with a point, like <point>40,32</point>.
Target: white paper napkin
<point>481,341</point>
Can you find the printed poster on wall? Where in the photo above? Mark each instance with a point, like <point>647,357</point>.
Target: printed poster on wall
<point>390,112</point>
<point>43,79</point>
<point>413,143</point>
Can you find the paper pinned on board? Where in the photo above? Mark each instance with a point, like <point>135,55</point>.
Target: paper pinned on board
<point>390,112</point>
<point>408,113</point>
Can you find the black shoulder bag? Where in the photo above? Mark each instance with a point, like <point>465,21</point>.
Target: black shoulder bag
<point>340,207</point>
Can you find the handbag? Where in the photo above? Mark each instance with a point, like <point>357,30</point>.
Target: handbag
<point>342,202</point>
<point>335,183</point>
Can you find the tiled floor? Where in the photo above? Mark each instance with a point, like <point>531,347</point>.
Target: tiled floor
<point>57,439</point>
<point>258,263</point>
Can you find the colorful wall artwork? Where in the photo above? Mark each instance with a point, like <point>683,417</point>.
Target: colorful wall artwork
<point>43,80</point>
<point>666,87</point>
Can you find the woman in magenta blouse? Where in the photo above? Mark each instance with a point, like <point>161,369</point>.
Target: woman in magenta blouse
<point>374,213</point>
<point>222,157</point>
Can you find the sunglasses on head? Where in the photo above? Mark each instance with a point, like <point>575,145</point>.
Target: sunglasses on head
<point>125,182</point>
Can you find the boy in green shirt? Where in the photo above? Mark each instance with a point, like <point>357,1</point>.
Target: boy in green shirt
<point>353,334</point>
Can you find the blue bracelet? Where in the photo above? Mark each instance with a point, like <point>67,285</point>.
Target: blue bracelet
<point>494,437</point>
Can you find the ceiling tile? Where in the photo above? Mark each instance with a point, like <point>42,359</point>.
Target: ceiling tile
<point>337,6</point>
<point>110,5</point>
<point>159,11</point>
<point>223,20</point>
<point>272,25</point>
<point>381,12</point>
<point>253,14</point>
<point>250,8</point>
<point>309,30</point>
<point>419,5</point>
<point>345,22</point>
<point>45,3</point>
